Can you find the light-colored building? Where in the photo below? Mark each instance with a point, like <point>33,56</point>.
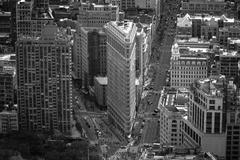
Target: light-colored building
<point>187,63</point>
<point>8,121</point>
<point>45,81</point>
<point>145,4</point>
<point>31,16</point>
<point>97,15</point>
<point>204,126</point>
<point>121,73</point>
<point>184,26</point>
<point>172,105</point>
<point>100,90</point>
<point>203,6</point>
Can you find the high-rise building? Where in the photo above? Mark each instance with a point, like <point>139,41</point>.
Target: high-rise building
<point>121,73</point>
<point>93,54</point>
<point>31,16</point>
<point>233,122</point>
<point>229,63</point>
<point>44,81</point>
<point>7,81</point>
<point>92,17</point>
<point>8,121</point>
<point>204,126</point>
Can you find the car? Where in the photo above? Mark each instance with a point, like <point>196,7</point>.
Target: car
<point>156,110</point>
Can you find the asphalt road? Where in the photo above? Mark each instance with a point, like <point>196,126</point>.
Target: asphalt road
<point>160,63</point>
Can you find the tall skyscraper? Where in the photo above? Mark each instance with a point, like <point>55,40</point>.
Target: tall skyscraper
<point>31,16</point>
<point>121,73</point>
<point>44,81</point>
<point>93,54</point>
<point>90,41</point>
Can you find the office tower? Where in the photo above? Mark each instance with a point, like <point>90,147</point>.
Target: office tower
<point>31,16</point>
<point>229,63</point>
<point>233,122</point>
<point>44,81</point>
<point>96,15</point>
<point>204,126</point>
<point>121,73</point>
<point>91,19</point>
<point>7,81</point>
<point>93,54</point>
<point>187,66</point>
<point>5,27</point>
<point>8,121</point>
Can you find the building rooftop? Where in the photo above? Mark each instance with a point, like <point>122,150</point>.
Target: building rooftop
<point>212,86</point>
<point>8,57</point>
<point>187,19</point>
<point>3,14</point>
<point>230,54</point>
<point>102,80</point>
<point>205,1</point>
<point>172,100</point>
<point>125,27</point>
<point>8,112</point>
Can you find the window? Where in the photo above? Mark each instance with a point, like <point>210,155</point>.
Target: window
<point>211,101</point>
<point>211,107</point>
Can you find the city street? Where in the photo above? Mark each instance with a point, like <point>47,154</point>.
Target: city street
<point>160,63</point>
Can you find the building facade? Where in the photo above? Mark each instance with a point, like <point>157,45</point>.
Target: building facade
<point>7,82</point>
<point>229,64</point>
<point>100,90</point>
<point>45,81</point>
<point>92,58</point>
<point>8,122</point>
<point>127,4</point>
<point>228,32</point>
<point>170,118</point>
<point>233,122</point>
<point>121,73</point>
<point>145,4</point>
<point>204,126</point>
<point>96,15</point>
<point>31,16</point>
<point>186,67</point>
<point>203,6</point>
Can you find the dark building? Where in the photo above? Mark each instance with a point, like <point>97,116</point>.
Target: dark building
<point>6,85</point>
<point>229,64</point>
<point>97,55</point>
<point>5,27</point>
